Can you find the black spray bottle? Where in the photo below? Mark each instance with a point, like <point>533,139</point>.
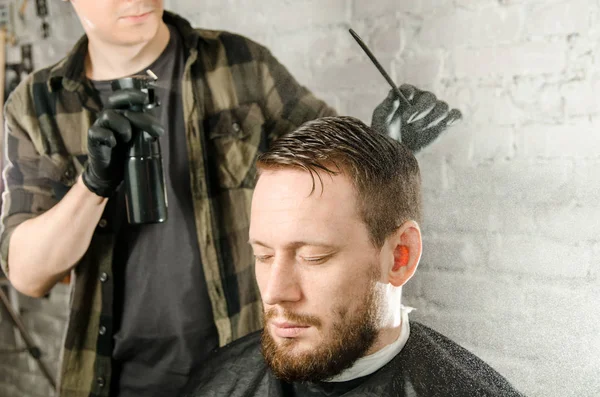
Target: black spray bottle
<point>145,192</point>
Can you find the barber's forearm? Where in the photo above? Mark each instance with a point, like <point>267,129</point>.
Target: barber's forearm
<point>43,249</point>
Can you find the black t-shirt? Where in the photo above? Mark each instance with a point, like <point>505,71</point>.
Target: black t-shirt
<point>164,326</point>
<point>429,365</point>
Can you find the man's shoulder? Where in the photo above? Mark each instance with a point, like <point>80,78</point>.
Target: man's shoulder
<point>236,46</point>
<point>197,36</point>
<point>36,84</point>
<point>239,359</point>
<point>242,347</point>
<point>446,364</point>
<point>224,36</point>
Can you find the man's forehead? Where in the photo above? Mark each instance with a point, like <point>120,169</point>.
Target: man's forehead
<point>284,199</point>
<point>292,192</point>
<point>296,182</point>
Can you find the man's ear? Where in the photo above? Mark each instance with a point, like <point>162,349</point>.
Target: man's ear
<point>407,247</point>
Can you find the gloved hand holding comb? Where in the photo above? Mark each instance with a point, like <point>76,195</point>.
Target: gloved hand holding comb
<point>407,114</point>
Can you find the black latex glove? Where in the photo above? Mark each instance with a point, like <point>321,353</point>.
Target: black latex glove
<point>416,125</point>
<point>108,140</point>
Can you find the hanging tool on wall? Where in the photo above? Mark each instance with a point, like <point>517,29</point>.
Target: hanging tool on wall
<point>22,9</point>
<point>7,22</point>
<point>41,7</point>
<point>26,58</point>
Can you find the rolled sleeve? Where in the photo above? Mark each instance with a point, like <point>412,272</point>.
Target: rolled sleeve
<point>27,175</point>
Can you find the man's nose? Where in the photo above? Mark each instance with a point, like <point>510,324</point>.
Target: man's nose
<point>283,283</point>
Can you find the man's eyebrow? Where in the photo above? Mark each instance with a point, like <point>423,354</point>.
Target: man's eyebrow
<point>295,244</point>
<point>256,242</point>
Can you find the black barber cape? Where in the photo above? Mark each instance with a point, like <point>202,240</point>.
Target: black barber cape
<point>429,365</point>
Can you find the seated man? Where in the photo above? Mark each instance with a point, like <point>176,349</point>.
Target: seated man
<point>335,232</point>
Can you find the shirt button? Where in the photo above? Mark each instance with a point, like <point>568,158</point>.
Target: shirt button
<point>103,277</point>
<point>103,222</point>
<point>102,330</point>
<point>236,127</point>
<point>101,382</point>
<point>69,173</point>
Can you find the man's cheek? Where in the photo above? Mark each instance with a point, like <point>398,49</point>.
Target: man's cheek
<point>260,278</point>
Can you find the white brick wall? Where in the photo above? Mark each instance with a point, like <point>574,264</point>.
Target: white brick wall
<point>512,236</point>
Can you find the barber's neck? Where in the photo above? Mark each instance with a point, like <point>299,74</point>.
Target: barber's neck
<point>106,61</point>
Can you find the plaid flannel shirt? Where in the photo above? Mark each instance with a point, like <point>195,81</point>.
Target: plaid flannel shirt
<point>237,99</point>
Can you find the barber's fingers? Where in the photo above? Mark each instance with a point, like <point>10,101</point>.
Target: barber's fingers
<point>101,142</point>
<point>433,117</point>
<point>392,102</point>
<point>394,125</point>
<point>422,104</point>
<point>383,113</point>
<point>126,98</point>
<point>114,121</point>
<point>409,91</point>
<point>452,117</point>
<point>98,136</point>
<point>145,122</point>
<point>435,129</point>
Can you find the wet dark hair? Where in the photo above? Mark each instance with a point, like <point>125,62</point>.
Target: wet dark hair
<point>384,172</point>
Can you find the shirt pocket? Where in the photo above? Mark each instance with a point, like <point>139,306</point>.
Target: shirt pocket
<point>235,136</point>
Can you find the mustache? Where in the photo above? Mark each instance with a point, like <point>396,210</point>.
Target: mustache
<point>304,319</point>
